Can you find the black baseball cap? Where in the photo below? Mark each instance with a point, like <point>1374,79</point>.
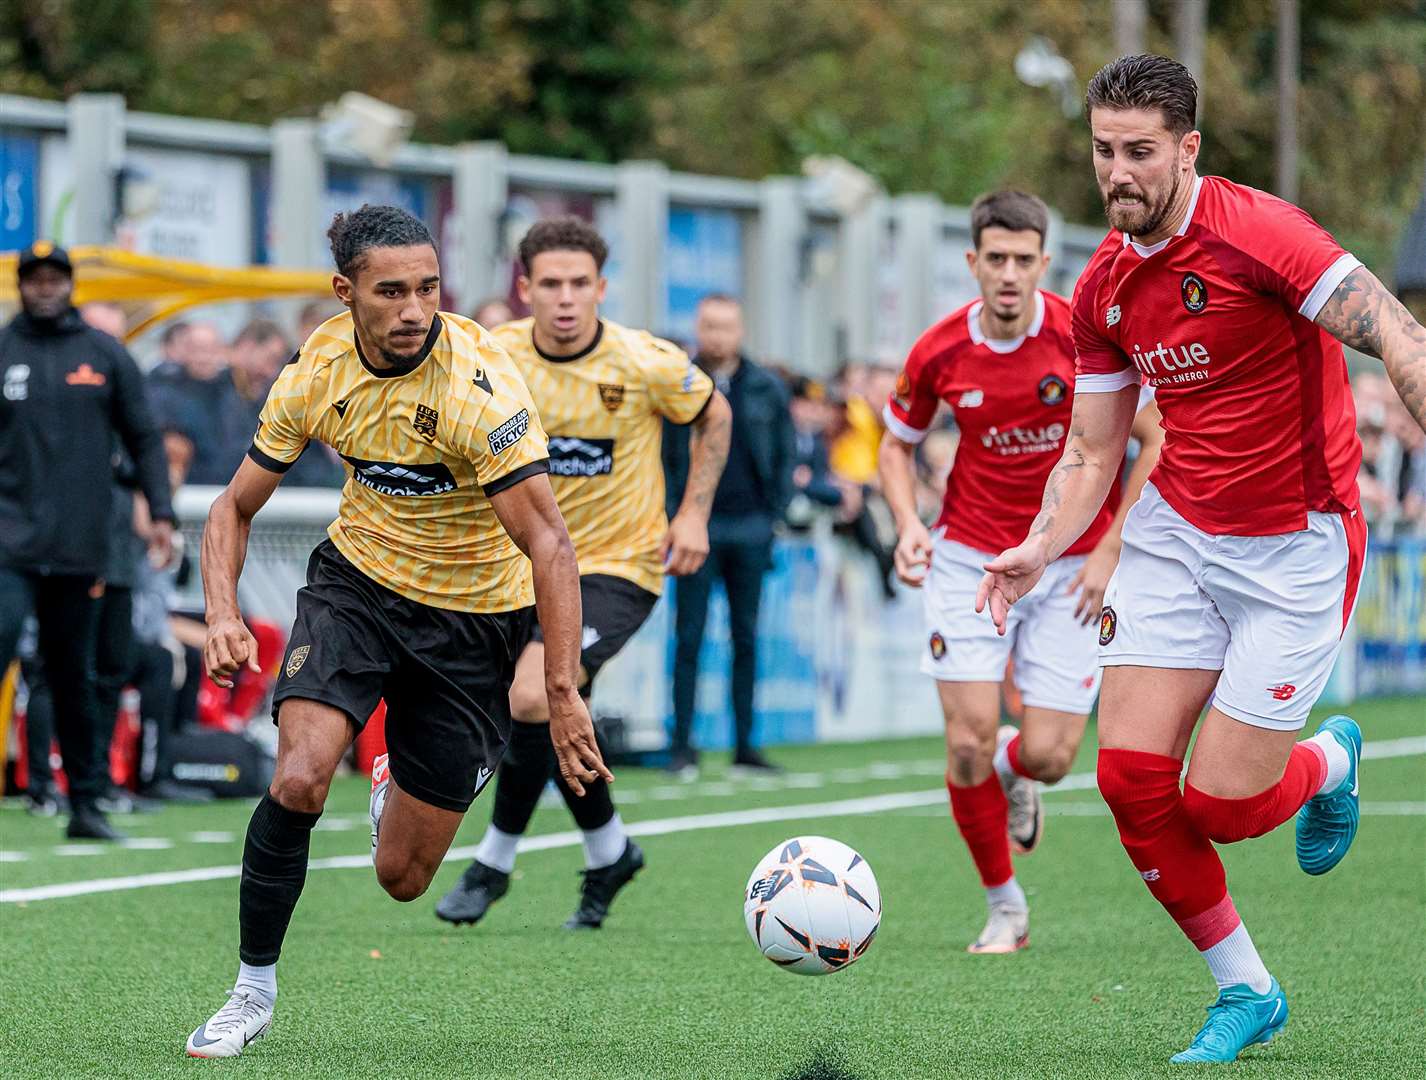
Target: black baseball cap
<point>43,252</point>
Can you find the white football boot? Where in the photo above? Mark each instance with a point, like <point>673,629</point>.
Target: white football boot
<point>1006,930</point>
<point>380,785</point>
<point>243,1020</point>
<point>1025,817</point>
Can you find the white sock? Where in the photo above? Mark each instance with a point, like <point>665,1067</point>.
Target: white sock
<point>1008,895</point>
<point>1339,762</point>
<point>1235,960</point>
<point>1002,763</point>
<point>604,845</point>
<point>497,849</point>
<point>261,978</point>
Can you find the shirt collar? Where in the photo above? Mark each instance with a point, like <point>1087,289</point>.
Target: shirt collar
<point>1145,250</point>
<point>999,345</point>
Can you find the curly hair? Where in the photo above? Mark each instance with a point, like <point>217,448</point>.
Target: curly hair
<point>353,235</point>
<point>566,233</point>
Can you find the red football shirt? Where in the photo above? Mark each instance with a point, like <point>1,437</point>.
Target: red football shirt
<point>1257,410</point>
<point>1011,401</point>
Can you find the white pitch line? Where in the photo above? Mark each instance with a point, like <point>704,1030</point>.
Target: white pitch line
<point>871,804</point>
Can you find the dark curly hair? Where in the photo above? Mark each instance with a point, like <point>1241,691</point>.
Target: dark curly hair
<point>353,235</point>
<point>566,233</point>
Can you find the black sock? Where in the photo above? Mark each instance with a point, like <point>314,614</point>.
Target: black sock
<point>524,771</point>
<point>274,869</point>
<point>592,810</point>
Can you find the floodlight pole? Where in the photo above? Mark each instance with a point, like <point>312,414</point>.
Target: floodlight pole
<point>1288,49</point>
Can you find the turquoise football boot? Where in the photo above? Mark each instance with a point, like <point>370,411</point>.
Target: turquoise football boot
<point>1327,823</point>
<point>1238,1019</point>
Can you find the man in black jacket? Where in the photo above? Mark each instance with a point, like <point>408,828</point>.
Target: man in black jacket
<point>67,392</point>
<point>751,499</point>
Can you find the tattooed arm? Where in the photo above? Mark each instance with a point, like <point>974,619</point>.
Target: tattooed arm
<point>1364,315</point>
<point>685,545</point>
<point>1094,449</point>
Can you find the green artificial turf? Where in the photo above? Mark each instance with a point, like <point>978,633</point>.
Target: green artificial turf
<point>110,984</point>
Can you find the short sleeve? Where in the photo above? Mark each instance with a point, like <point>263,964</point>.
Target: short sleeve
<point>913,401</point>
<point>282,425</point>
<point>1277,248</point>
<point>499,432</point>
<point>1100,365</point>
<point>679,389</point>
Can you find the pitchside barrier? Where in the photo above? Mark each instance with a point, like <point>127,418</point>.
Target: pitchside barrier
<point>837,661</point>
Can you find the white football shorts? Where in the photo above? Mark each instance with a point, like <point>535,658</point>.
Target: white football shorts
<point>1056,661</point>
<point>1267,611</point>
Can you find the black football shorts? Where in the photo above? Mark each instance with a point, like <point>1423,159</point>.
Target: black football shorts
<point>445,675</point>
<point>614,609</point>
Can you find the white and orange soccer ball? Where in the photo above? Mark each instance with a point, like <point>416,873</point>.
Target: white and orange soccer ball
<point>812,905</point>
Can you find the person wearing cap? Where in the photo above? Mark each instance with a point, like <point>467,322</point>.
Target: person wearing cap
<point>68,394</point>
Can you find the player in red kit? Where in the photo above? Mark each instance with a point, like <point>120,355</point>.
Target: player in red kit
<point>1240,562</point>
<point>1005,366</point>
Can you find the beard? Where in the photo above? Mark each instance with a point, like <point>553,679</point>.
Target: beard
<point>1143,218</point>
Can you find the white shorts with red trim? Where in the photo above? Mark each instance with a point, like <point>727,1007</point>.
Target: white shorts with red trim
<point>1267,611</point>
<point>1056,661</point>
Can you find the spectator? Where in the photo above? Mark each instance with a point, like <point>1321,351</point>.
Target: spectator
<point>313,315</point>
<point>56,500</point>
<point>811,414</point>
<point>171,350</point>
<point>751,499</point>
<point>191,399</point>
<point>255,359</point>
<point>493,312</point>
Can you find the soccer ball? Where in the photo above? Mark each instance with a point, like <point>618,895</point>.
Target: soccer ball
<point>812,905</point>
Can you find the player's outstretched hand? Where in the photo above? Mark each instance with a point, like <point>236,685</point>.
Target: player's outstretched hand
<point>572,732</point>
<point>1091,581</point>
<point>1008,577</point>
<point>229,646</point>
<point>913,554</point>
<point>685,545</point>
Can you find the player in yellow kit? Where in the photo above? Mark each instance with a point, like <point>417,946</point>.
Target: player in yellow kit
<point>422,594</point>
<point>603,392</point>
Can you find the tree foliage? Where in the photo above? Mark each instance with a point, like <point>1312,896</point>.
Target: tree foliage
<point>921,93</point>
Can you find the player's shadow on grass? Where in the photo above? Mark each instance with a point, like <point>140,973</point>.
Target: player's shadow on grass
<point>819,1068</point>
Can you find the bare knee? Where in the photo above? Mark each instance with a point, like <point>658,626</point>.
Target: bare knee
<point>970,756</point>
<point>528,704</point>
<point>403,879</point>
<point>301,785</point>
<point>1046,764</point>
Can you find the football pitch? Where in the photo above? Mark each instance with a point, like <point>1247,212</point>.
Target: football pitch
<point>108,981</point>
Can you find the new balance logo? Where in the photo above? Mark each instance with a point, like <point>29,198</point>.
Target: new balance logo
<point>1112,316</point>
<point>1149,875</point>
<point>1283,692</point>
<point>971,399</point>
<point>341,407</point>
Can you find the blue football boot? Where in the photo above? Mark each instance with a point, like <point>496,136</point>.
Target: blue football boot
<point>1239,1018</point>
<point>1327,823</point>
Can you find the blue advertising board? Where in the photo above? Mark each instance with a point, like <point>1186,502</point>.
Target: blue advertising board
<point>704,255</point>
<point>19,187</point>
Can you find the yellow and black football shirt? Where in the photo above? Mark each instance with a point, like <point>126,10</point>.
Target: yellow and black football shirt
<point>602,409</point>
<point>425,445</point>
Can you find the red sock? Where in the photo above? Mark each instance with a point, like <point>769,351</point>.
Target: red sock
<point>1012,755</point>
<point>1225,821</point>
<point>1176,861</point>
<point>980,814</point>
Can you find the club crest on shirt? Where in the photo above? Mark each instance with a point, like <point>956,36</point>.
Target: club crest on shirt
<point>1194,293</point>
<point>425,422</point>
<point>1108,623</point>
<point>1053,390</point>
<point>612,395</point>
<point>296,658</point>
<point>938,645</point>
<point>903,390</point>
